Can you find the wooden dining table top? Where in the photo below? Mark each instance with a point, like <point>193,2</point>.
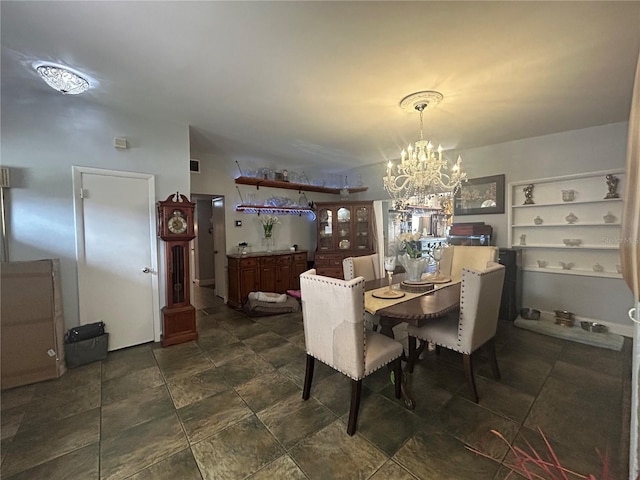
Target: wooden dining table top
<point>434,304</point>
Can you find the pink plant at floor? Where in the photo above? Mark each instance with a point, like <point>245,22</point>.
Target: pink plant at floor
<point>534,465</point>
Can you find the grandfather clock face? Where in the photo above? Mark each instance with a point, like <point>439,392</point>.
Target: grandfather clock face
<point>177,223</point>
<point>175,218</point>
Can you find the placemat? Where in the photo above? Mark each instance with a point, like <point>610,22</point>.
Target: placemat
<point>372,304</point>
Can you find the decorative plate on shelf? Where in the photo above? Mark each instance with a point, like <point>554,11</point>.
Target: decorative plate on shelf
<point>344,244</point>
<point>343,215</point>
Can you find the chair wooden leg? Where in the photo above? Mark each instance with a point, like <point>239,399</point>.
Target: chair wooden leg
<point>397,374</point>
<point>468,370</point>
<point>356,390</point>
<point>308,377</point>
<point>491,352</point>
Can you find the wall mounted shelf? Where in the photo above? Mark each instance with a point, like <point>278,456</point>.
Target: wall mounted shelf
<point>565,247</point>
<point>567,204</point>
<point>581,273</point>
<point>300,187</point>
<point>570,225</point>
<point>270,210</point>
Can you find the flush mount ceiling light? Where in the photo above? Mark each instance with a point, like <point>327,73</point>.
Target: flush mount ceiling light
<point>62,79</point>
<point>422,172</point>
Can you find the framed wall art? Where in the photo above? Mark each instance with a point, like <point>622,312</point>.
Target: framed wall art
<point>479,196</point>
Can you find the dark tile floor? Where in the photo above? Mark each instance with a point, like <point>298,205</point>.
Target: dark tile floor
<point>229,407</point>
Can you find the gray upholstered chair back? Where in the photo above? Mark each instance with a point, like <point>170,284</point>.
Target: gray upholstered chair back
<point>457,257</point>
<point>480,295</point>
<point>333,316</point>
<point>366,266</point>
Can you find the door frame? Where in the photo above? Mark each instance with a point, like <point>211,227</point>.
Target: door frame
<point>77,172</point>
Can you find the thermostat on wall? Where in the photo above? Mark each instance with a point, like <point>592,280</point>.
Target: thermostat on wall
<point>120,142</point>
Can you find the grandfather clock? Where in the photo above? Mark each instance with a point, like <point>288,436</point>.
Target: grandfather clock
<point>175,227</point>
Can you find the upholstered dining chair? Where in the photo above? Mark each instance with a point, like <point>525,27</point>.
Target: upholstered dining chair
<point>334,333</point>
<point>474,326</point>
<point>367,267</point>
<point>457,257</point>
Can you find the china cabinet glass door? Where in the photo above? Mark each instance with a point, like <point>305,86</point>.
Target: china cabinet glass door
<point>325,229</point>
<point>362,239</point>
<point>344,229</point>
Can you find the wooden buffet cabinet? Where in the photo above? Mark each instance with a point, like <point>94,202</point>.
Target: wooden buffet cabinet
<point>345,229</point>
<point>276,271</point>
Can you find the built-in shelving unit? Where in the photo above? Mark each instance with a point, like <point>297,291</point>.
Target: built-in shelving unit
<point>541,228</point>
<point>300,187</point>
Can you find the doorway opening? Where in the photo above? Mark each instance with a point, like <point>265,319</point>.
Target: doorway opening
<point>208,251</point>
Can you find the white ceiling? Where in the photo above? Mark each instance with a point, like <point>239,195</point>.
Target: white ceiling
<point>318,83</point>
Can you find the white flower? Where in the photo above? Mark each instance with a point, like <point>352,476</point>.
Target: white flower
<point>409,237</point>
<point>269,220</point>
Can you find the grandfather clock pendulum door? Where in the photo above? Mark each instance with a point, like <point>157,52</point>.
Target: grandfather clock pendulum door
<point>175,227</point>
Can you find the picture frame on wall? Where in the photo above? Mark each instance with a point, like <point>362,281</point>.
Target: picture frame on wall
<point>479,196</point>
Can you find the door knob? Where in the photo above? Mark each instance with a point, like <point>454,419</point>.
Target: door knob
<point>146,270</point>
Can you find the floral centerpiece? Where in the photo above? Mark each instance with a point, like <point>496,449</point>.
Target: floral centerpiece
<point>409,249</point>
<point>410,244</point>
<point>268,221</point>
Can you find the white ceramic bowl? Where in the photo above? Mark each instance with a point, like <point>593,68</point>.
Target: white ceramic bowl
<point>572,242</point>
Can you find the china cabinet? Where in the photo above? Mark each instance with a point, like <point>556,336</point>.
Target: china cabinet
<point>344,230</point>
<point>264,272</point>
<point>568,225</point>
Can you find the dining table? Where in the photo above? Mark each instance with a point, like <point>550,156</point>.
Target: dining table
<point>412,309</point>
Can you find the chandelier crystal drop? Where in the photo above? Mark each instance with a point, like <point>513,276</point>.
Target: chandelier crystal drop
<point>422,172</point>
<point>63,80</point>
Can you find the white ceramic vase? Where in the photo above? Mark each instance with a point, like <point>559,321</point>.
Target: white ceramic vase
<point>414,267</point>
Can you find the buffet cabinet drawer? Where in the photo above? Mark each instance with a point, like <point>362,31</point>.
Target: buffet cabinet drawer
<point>248,262</point>
<point>328,259</point>
<point>299,257</point>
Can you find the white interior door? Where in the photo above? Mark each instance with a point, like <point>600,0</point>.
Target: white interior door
<point>117,254</point>
<point>220,248</point>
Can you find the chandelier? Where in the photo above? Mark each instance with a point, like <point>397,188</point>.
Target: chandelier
<point>422,172</point>
<point>62,79</point>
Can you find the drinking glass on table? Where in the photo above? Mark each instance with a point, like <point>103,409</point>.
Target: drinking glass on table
<point>436,254</point>
<point>390,266</point>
